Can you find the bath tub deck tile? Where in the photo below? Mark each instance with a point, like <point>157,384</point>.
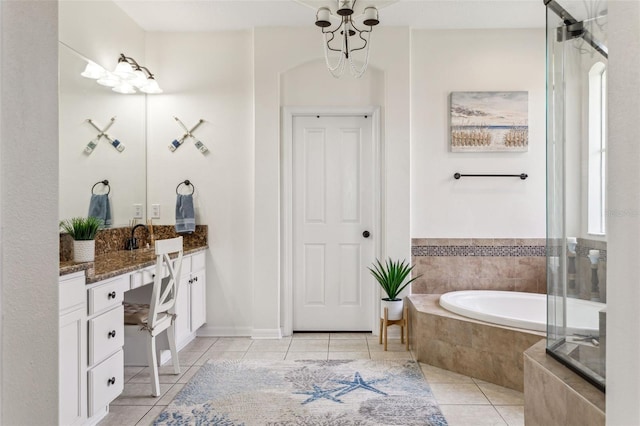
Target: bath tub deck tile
<point>474,348</point>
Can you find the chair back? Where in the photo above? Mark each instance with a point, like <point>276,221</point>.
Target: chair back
<point>165,288</point>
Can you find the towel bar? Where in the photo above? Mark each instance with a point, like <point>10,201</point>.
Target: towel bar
<point>105,183</point>
<point>522,176</point>
<point>186,182</point>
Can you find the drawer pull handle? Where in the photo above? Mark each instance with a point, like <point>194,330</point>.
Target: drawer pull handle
<point>111,381</point>
<point>112,333</point>
<point>111,295</point>
<point>195,278</point>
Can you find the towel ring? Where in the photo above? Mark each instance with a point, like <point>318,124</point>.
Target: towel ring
<point>105,183</point>
<point>186,182</point>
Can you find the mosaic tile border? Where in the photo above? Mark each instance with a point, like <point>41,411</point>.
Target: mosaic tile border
<point>489,251</point>
<point>581,251</point>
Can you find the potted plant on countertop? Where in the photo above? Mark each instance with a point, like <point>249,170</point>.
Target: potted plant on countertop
<point>391,276</point>
<point>83,230</point>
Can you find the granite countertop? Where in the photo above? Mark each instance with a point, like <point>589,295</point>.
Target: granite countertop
<point>118,262</point>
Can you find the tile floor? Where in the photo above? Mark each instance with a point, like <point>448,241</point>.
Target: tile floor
<point>463,400</point>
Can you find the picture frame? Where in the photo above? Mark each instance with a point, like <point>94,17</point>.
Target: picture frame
<point>489,121</point>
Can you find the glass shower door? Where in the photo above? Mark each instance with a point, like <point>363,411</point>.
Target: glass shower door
<point>576,182</point>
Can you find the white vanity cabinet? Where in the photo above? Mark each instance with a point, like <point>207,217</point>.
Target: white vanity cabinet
<point>72,354</point>
<point>191,307</point>
<point>92,334</point>
<point>105,367</point>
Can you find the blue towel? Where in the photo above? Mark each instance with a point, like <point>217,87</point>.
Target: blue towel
<point>99,208</point>
<point>185,214</point>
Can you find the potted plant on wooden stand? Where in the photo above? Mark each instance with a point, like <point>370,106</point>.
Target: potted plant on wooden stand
<point>391,276</point>
<point>83,231</point>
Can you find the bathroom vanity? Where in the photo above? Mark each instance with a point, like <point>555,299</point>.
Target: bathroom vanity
<point>91,334</point>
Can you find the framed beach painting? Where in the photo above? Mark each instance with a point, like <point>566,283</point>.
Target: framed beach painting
<point>489,121</point>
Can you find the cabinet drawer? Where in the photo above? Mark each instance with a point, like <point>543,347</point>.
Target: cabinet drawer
<point>106,334</point>
<point>106,382</point>
<point>146,276</point>
<point>107,295</point>
<point>143,277</point>
<point>197,262</point>
<point>71,292</point>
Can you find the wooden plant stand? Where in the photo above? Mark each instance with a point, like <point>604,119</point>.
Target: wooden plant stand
<point>402,322</point>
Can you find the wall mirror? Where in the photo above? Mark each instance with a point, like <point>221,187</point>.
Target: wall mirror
<point>81,99</point>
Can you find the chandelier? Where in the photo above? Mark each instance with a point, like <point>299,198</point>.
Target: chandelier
<point>347,37</point>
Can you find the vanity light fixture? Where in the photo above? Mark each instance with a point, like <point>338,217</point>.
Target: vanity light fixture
<point>127,77</point>
<point>342,38</point>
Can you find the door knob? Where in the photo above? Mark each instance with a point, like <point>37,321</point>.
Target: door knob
<point>366,234</point>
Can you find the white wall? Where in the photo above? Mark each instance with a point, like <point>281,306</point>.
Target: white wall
<point>623,215</point>
<point>101,31</point>
<point>475,60</point>
<point>28,212</point>
<point>208,76</point>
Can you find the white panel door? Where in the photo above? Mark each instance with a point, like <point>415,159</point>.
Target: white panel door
<point>333,201</point>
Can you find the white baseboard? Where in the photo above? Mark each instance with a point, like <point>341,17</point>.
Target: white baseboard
<point>217,331</point>
<point>266,333</point>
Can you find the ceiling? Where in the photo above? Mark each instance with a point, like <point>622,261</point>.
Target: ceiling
<point>220,15</point>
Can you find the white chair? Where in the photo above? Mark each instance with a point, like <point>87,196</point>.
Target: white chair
<point>159,315</point>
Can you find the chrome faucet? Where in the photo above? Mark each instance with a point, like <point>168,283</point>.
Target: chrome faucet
<point>132,243</point>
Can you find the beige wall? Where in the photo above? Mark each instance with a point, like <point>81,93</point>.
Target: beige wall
<point>623,295</point>
<point>29,212</point>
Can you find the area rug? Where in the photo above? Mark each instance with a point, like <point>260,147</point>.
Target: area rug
<point>309,393</point>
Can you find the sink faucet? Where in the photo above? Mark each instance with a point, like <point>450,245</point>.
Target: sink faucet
<point>132,243</point>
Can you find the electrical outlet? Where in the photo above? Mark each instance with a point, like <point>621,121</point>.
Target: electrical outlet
<point>137,211</point>
<point>155,211</point>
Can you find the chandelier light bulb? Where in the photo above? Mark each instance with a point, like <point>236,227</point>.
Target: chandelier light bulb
<point>124,88</point>
<point>124,70</point>
<point>151,87</point>
<point>93,70</point>
<point>140,79</point>
<point>109,80</point>
<point>371,16</point>
<point>323,17</point>
<point>345,7</point>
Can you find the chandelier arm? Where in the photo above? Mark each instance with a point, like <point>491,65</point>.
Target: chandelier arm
<point>357,73</point>
<point>338,66</point>
<point>328,41</point>
<point>129,60</point>
<point>360,34</point>
<point>149,73</point>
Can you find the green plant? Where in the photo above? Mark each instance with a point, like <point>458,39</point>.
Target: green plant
<point>391,275</point>
<point>81,228</point>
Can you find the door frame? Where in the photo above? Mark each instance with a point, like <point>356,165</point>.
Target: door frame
<point>286,202</point>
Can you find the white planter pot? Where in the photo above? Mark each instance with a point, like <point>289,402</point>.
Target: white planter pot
<point>84,250</point>
<point>394,309</point>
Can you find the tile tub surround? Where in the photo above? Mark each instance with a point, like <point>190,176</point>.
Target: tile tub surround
<point>474,348</point>
<point>450,264</point>
<point>113,239</point>
<point>556,395</point>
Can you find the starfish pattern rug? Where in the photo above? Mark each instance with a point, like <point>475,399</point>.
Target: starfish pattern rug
<point>305,393</point>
